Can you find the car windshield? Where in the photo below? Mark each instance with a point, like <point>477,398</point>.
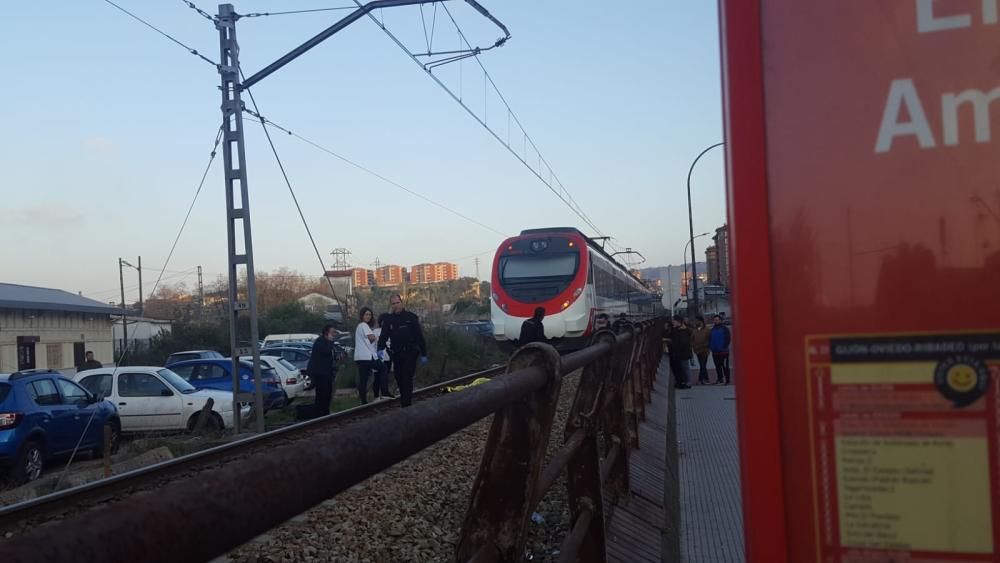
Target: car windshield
<point>176,381</point>
<point>286,364</point>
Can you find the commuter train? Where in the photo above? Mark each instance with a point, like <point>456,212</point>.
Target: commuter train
<point>572,277</point>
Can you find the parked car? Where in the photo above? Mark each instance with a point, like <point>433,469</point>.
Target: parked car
<point>279,339</point>
<point>216,373</point>
<point>299,345</point>
<point>154,398</point>
<point>191,355</point>
<point>43,415</point>
<point>298,357</point>
<point>292,380</point>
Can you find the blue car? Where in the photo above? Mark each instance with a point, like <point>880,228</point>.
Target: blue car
<point>216,373</point>
<point>43,415</point>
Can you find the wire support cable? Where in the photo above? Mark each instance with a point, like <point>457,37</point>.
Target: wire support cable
<point>165,34</point>
<point>371,172</point>
<point>284,174</point>
<point>289,12</point>
<point>200,12</point>
<point>197,192</point>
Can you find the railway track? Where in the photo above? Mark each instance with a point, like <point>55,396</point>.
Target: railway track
<point>26,515</point>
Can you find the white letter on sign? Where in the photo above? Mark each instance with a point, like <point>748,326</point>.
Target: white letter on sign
<point>926,22</point>
<point>980,113</point>
<point>903,92</point>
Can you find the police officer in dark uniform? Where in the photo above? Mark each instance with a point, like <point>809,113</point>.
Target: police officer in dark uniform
<point>402,329</point>
<point>322,370</point>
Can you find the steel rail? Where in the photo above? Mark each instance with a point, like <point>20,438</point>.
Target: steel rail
<point>95,491</point>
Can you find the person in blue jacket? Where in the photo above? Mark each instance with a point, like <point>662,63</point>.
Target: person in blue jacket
<point>718,343</point>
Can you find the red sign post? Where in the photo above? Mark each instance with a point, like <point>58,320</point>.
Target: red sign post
<point>864,192</point>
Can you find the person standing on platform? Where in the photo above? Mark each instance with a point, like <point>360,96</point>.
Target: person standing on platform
<point>402,328</point>
<point>699,342</point>
<point>679,345</point>
<point>719,343</point>
<point>322,370</point>
<point>533,329</point>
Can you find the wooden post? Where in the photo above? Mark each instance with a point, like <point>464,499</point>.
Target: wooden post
<point>206,412</point>
<point>107,451</point>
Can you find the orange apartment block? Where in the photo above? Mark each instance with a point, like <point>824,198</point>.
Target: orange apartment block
<point>433,273</point>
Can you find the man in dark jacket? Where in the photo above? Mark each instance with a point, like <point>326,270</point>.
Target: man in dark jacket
<point>322,370</point>
<point>719,342</point>
<point>699,341</point>
<point>402,329</point>
<point>680,352</point>
<point>533,330</point>
<point>88,363</point>
<point>621,324</point>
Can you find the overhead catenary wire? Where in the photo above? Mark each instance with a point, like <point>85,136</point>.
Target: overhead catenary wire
<point>373,173</point>
<point>575,206</point>
<point>165,34</point>
<point>559,193</point>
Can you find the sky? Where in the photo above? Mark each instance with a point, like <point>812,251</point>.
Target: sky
<point>108,127</point>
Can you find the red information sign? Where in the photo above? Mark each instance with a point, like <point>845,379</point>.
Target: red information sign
<point>864,188</point>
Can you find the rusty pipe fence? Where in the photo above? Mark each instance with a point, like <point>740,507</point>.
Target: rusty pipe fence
<point>219,509</point>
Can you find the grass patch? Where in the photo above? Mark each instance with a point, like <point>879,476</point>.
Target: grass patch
<point>286,415</point>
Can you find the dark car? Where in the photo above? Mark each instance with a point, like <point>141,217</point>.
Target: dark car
<point>191,355</point>
<point>43,415</point>
<point>216,373</point>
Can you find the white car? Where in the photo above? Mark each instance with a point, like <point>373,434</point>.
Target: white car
<point>157,399</point>
<point>292,380</point>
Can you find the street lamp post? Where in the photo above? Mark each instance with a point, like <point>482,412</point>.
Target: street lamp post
<point>684,258</point>
<point>694,268</point>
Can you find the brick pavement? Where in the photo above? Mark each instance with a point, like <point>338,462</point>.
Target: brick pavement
<point>711,528</point>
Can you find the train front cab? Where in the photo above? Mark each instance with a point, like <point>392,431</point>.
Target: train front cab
<point>548,270</point>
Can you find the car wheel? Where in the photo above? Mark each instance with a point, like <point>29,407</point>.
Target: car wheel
<point>30,463</point>
<point>116,438</point>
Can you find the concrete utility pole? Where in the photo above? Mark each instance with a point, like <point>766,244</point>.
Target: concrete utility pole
<point>201,294</point>
<point>142,309</point>
<point>478,281</point>
<point>121,280</point>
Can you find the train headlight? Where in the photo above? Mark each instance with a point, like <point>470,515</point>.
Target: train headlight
<point>504,307</point>
<point>539,245</point>
<point>496,297</point>
<point>565,304</point>
<point>577,292</point>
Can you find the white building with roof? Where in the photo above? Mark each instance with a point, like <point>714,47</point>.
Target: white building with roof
<point>51,328</point>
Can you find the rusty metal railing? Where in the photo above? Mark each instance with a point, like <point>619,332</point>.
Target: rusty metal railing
<point>616,383</point>
<point>219,509</point>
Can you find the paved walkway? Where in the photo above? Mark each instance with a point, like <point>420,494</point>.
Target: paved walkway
<point>711,515</point>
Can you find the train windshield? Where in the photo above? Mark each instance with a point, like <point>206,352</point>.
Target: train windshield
<point>518,268</point>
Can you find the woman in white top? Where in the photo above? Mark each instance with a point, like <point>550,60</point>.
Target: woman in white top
<point>366,354</point>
